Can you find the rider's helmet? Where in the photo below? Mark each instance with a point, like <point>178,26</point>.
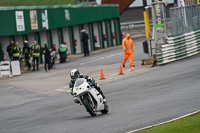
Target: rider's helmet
<point>46,44</point>
<point>25,42</point>
<point>74,74</point>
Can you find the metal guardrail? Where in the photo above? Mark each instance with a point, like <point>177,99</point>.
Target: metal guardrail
<point>134,28</point>
<point>135,24</point>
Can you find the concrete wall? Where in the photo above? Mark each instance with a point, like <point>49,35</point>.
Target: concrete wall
<point>55,37</point>
<point>96,33</point>
<point>78,38</point>
<point>43,37</point>
<point>20,40</point>
<point>109,37</point>
<point>31,38</point>
<point>113,31</point>
<point>104,32</point>
<point>66,38</point>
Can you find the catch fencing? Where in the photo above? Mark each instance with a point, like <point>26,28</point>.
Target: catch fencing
<point>184,35</point>
<point>184,20</point>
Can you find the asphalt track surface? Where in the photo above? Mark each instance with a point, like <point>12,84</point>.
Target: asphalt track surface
<point>160,95</point>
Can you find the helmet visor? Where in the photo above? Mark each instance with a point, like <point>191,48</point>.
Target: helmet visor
<point>74,77</point>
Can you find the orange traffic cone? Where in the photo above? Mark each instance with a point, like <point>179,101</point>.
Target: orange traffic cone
<point>120,70</point>
<point>102,76</point>
<point>132,69</point>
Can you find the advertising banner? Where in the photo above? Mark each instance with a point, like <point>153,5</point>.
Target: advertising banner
<point>20,20</point>
<point>158,12</point>
<point>45,19</point>
<point>181,3</point>
<point>34,20</point>
<point>67,15</point>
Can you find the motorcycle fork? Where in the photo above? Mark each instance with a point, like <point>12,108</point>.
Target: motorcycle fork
<point>91,101</point>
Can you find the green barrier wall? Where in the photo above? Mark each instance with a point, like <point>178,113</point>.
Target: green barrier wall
<point>56,16</point>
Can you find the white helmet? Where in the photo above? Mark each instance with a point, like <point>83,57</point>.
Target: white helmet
<point>74,74</point>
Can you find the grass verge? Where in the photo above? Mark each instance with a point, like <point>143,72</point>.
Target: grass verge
<point>190,124</point>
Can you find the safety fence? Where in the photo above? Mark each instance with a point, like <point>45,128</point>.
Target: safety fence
<point>184,20</point>
<point>179,47</point>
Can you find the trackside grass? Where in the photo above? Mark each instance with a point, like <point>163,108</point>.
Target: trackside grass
<point>190,124</point>
<point>34,2</point>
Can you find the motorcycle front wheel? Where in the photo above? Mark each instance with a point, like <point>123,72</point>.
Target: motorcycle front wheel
<point>106,109</point>
<point>88,106</point>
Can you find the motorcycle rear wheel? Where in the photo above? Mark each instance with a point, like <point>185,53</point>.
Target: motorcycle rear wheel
<point>89,107</point>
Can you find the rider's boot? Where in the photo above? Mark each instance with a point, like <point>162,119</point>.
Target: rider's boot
<point>101,92</point>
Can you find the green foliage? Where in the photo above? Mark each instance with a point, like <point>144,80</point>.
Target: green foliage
<point>185,125</point>
<point>34,2</point>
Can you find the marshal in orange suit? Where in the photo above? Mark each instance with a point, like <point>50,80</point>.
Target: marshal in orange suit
<point>127,44</point>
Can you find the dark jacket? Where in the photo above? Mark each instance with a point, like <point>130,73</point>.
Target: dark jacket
<point>47,53</point>
<point>26,50</point>
<point>85,38</point>
<point>9,49</point>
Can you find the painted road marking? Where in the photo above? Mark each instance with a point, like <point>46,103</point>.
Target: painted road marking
<point>164,122</point>
<point>64,89</point>
<point>100,58</point>
<point>8,88</point>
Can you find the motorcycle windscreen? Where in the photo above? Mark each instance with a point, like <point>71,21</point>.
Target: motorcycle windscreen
<point>79,81</point>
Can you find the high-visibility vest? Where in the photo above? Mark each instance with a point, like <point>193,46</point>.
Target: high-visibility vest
<point>16,51</point>
<point>128,45</point>
<point>36,50</point>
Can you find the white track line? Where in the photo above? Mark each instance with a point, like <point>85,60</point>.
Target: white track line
<point>100,58</point>
<point>164,122</point>
<point>63,89</point>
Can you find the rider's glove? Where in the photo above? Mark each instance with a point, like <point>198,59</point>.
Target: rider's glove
<point>70,85</point>
<point>71,91</point>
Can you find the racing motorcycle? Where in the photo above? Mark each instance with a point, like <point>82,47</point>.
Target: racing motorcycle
<point>89,97</point>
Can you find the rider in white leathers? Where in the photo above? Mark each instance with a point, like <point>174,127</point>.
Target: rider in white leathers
<point>75,74</point>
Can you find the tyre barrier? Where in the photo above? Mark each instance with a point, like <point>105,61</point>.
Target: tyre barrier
<point>179,47</point>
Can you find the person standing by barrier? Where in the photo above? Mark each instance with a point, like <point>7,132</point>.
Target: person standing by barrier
<point>16,52</point>
<point>84,39</point>
<point>127,44</point>
<point>47,57</point>
<point>36,54</point>
<point>9,50</point>
<point>27,54</point>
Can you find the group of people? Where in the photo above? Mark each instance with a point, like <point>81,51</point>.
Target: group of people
<point>16,53</point>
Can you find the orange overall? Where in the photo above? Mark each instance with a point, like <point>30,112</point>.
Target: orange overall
<point>127,44</point>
